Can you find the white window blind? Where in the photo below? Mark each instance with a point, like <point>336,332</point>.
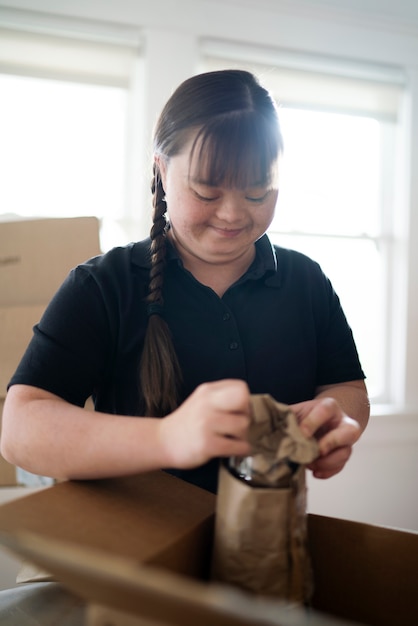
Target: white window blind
<point>313,82</point>
<point>65,58</point>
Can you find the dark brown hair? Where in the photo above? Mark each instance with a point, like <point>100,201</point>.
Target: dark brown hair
<point>237,141</point>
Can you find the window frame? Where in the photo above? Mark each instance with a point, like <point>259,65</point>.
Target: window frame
<point>384,240</point>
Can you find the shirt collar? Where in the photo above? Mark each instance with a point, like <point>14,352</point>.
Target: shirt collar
<point>264,264</point>
<point>141,253</point>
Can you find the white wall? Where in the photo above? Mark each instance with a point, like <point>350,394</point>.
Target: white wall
<point>379,483</point>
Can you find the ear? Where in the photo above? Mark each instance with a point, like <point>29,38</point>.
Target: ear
<point>161,164</point>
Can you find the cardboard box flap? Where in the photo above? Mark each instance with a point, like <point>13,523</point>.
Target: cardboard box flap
<point>153,593</point>
<point>36,255</point>
<point>148,517</point>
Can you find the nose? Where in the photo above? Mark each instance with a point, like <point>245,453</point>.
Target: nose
<point>229,209</point>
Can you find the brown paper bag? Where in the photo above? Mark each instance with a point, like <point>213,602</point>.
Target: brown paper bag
<point>260,541</point>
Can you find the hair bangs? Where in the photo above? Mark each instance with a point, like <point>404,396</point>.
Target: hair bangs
<point>236,150</point>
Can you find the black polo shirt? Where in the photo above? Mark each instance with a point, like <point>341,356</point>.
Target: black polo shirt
<point>280,327</point>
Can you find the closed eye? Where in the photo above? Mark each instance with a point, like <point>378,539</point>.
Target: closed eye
<point>205,198</point>
<point>258,199</point>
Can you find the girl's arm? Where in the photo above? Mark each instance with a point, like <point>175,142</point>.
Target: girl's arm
<point>46,435</point>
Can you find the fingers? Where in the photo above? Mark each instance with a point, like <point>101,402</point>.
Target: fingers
<point>233,426</point>
<point>346,433</point>
<point>212,422</point>
<point>315,415</point>
<point>229,446</point>
<point>230,396</point>
<point>331,464</point>
<point>325,419</point>
<point>336,433</point>
<point>228,408</point>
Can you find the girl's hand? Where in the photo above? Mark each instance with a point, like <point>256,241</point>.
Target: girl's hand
<point>212,422</point>
<point>336,433</point>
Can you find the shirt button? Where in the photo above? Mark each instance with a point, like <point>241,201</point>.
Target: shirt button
<point>233,345</point>
<point>226,317</point>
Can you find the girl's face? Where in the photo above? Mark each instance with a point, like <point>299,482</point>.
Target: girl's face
<point>216,225</point>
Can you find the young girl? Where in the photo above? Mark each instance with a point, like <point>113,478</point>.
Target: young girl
<point>180,328</point>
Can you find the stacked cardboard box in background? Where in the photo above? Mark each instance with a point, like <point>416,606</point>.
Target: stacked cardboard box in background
<point>35,257</point>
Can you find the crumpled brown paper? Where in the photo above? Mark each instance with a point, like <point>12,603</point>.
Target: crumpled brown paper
<point>260,541</point>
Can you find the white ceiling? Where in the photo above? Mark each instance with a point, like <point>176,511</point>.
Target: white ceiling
<point>406,9</point>
<point>399,11</point>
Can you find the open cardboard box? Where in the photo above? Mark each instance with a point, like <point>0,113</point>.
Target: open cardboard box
<point>141,545</point>
<point>35,257</point>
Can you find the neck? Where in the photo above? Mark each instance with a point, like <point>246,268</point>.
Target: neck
<point>219,276</point>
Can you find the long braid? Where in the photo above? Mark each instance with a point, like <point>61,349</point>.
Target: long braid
<point>158,240</point>
<point>160,374</point>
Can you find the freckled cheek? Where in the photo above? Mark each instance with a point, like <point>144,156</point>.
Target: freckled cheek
<point>271,214</point>
<point>186,220</point>
<point>265,218</point>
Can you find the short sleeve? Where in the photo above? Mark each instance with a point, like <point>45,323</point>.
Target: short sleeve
<point>70,347</point>
<point>338,359</point>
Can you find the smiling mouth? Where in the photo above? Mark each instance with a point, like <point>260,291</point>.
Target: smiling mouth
<point>228,232</point>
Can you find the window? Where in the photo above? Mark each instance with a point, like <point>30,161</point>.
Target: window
<point>337,177</point>
<point>62,149</point>
<point>329,209</point>
<point>66,105</point>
